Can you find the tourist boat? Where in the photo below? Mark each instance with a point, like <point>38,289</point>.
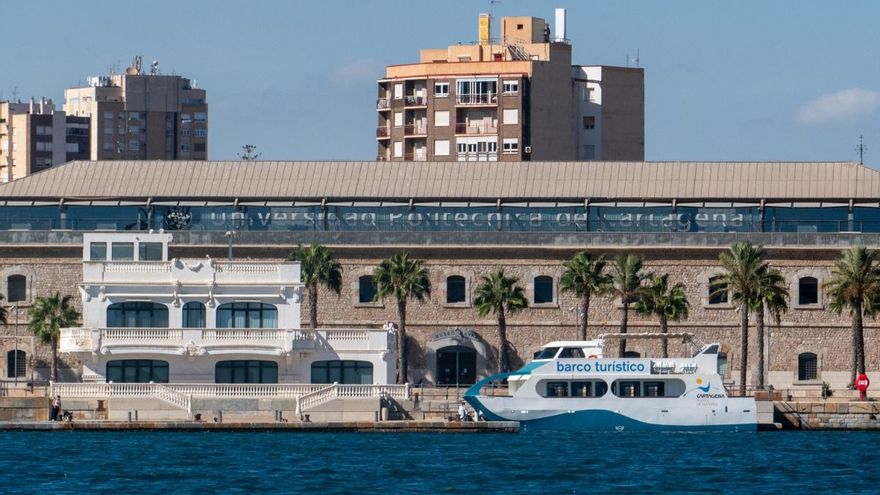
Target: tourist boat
<point>570,386</point>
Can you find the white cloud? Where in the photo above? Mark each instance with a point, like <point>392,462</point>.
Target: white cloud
<point>358,71</point>
<point>842,107</point>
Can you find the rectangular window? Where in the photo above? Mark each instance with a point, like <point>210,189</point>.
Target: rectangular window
<point>150,251</point>
<point>398,91</point>
<point>185,147</point>
<point>200,133</point>
<point>98,251</point>
<point>589,152</point>
<point>134,116</point>
<point>510,146</point>
<point>134,146</point>
<point>73,147</point>
<point>511,87</point>
<point>398,119</point>
<point>441,90</point>
<point>200,116</point>
<point>511,116</point>
<point>122,251</point>
<point>199,147</point>
<point>589,122</point>
<point>441,118</point>
<point>108,146</point>
<point>108,115</point>
<point>398,149</point>
<point>441,147</point>
<point>557,389</point>
<point>108,130</point>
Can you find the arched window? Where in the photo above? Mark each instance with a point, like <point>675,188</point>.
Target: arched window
<point>16,364</point>
<point>350,372</point>
<point>366,289</point>
<point>808,366</point>
<point>808,290</point>
<point>722,364</point>
<point>717,291</point>
<point>16,288</point>
<point>455,289</point>
<point>631,354</point>
<point>247,315</point>
<point>246,372</point>
<point>543,289</point>
<point>134,314</point>
<point>193,315</point>
<point>137,371</point>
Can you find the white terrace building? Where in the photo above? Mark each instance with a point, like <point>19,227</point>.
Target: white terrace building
<point>203,321</point>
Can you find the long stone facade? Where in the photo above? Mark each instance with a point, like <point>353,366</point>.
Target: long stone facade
<point>434,325</point>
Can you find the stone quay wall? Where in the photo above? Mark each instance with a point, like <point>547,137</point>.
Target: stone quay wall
<point>802,329</point>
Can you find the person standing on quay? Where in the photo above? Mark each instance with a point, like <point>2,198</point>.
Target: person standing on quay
<point>56,408</point>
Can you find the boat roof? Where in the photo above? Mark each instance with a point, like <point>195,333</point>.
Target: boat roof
<point>573,343</point>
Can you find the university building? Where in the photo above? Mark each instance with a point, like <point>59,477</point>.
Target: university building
<point>465,220</point>
<point>513,98</point>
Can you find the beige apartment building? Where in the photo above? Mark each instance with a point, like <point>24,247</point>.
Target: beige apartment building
<point>142,116</point>
<point>512,98</point>
<point>35,136</point>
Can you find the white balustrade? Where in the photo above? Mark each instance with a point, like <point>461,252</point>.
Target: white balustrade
<point>361,335</point>
<point>243,335</point>
<point>246,390</point>
<point>138,267</point>
<point>237,267</point>
<point>108,335</point>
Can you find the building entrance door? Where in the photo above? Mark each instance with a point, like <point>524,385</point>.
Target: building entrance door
<point>456,365</point>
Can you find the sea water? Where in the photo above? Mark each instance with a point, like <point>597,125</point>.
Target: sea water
<point>384,463</point>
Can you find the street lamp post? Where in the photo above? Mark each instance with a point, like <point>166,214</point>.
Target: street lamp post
<point>576,309</point>
<point>15,346</point>
<point>230,234</point>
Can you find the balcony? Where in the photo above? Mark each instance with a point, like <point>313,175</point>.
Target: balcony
<point>420,129</point>
<point>415,101</point>
<point>188,271</point>
<point>477,99</point>
<point>416,156</point>
<point>383,132</point>
<point>478,156</point>
<point>214,341</point>
<point>475,128</point>
<point>383,104</point>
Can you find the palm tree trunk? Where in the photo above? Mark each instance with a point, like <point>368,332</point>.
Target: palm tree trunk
<point>503,358</point>
<point>759,338</point>
<point>54,370</point>
<point>402,358</point>
<point>313,304</point>
<point>586,305</point>
<point>743,346</point>
<point>621,348</point>
<point>664,342</point>
<point>858,342</point>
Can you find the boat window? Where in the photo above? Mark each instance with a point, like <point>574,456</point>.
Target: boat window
<point>547,353</point>
<point>655,389</point>
<point>628,389</point>
<point>589,389</point>
<point>557,389</point>
<point>571,352</point>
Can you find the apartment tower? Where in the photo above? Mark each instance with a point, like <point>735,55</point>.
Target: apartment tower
<point>142,116</point>
<point>512,98</point>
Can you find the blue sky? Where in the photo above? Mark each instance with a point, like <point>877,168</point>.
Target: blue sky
<point>744,80</point>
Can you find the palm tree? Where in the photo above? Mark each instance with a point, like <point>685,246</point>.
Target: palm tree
<point>402,278</point>
<point>584,276</point>
<point>47,317</point>
<point>855,285</point>
<point>626,284</point>
<point>500,295</point>
<point>665,302</point>
<point>318,267</point>
<point>743,267</point>
<point>770,295</point>
<point>3,313</point>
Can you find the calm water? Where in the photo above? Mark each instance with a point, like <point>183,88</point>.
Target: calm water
<point>165,462</point>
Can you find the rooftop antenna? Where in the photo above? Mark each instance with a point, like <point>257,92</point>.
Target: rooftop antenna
<point>861,149</point>
<point>492,6</point>
<point>15,93</point>
<point>631,60</point>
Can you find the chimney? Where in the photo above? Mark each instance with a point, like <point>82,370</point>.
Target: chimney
<point>485,29</point>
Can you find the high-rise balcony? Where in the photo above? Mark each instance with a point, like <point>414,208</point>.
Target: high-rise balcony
<point>383,132</point>
<point>475,128</point>
<point>415,101</point>
<point>420,155</point>
<point>417,129</point>
<point>476,99</point>
<point>383,103</point>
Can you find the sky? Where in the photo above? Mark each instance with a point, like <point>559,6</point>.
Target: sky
<point>749,80</point>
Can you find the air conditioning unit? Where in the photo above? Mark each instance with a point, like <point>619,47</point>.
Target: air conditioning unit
<point>527,150</point>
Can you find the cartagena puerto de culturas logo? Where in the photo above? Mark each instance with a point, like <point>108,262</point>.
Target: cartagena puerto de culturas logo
<point>704,391</point>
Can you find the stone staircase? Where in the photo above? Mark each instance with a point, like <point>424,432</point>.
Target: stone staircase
<point>437,403</point>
